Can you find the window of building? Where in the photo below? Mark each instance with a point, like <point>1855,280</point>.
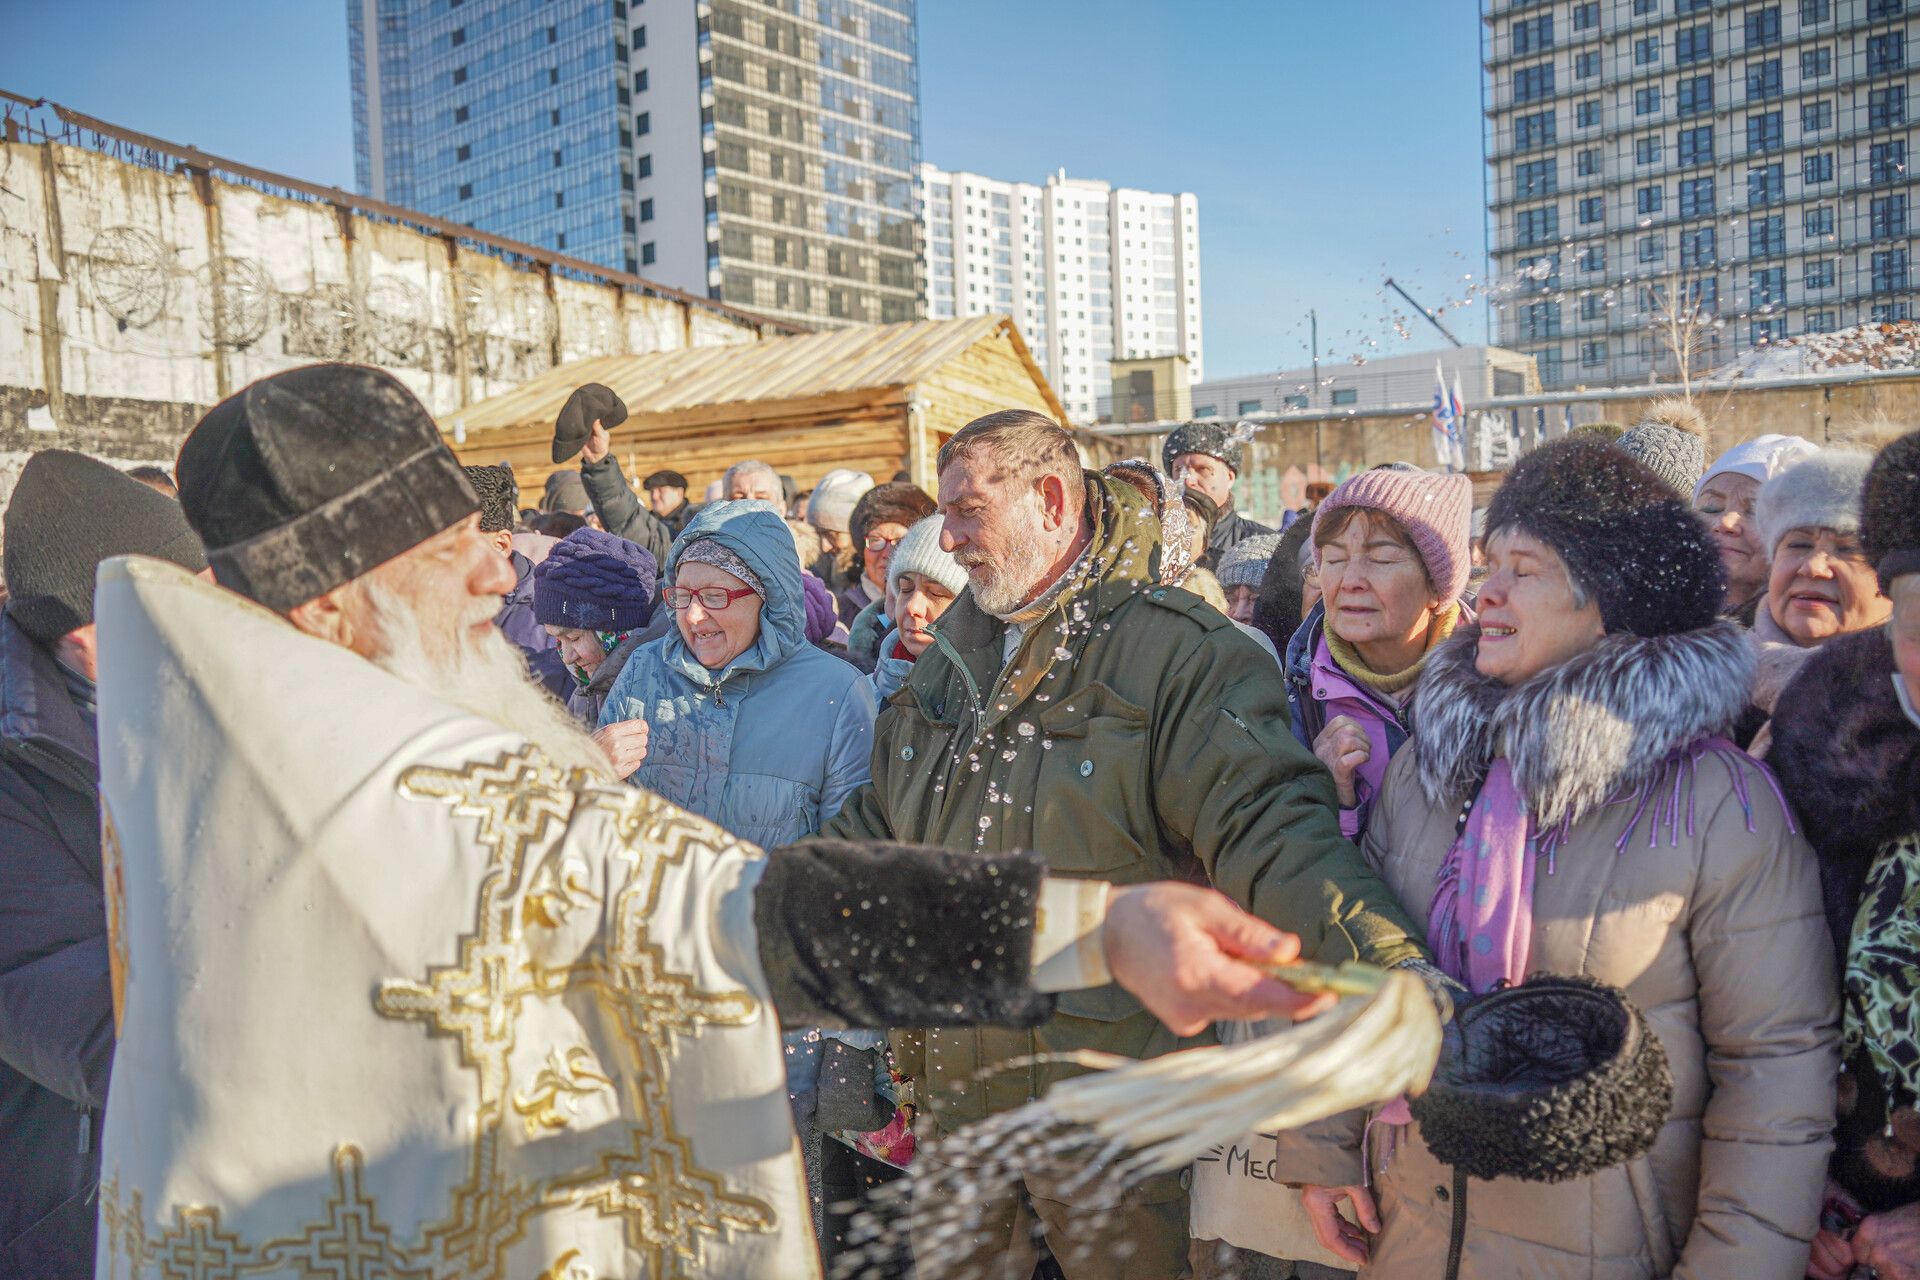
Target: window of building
<point>1593,352</point>
<point>1771,329</point>
<point>1696,145</point>
<point>1763,26</point>
<point>1886,53</point>
<point>1767,237</point>
<point>639,37</point>
<point>1646,101</point>
<point>553,77</point>
<point>1695,95</point>
<point>1647,200</point>
<point>1819,274</point>
<point>1699,247</point>
<point>466,191</point>
<point>640,80</point>
<point>1537,226</point>
<point>646,211</point>
<point>1821,322</point>
<point>1531,132</point>
<point>1248,406</point>
<point>1764,80</point>
<point>1587,115</point>
<point>1889,270</point>
<point>1530,84</point>
<point>459,75</point>
<point>643,167</point>
<point>1693,44</point>
<point>1815,63</point>
<point>1888,312</point>
<point>1887,161</point>
<point>463,152</point>
<point>1817,168</point>
<point>1533,35</point>
<point>1293,402</point>
<point>1646,51</point>
<point>1593,258</point>
<point>1817,222</point>
<point>1593,209</point>
<point>1887,107</point>
<point>1593,306</point>
<point>553,117</point>
<point>1645,6</point>
<point>1586,16</point>
<point>559,199</point>
<point>1651,249</point>
<point>1766,184</point>
<point>1646,150</point>
<point>1813,11</point>
<point>457,37</point>
<point>553,35</point>
<point>1589,162</point>
<point>1540,320</point>
<point>1344,395</point>
<point>647,254</point>
<point>1691,6</point>
<point>1696,197</point>
<point>1887,217</point>
<point>1816,117</point>
<point>1766,132</point>
<point>1548,359</point>
<point>1542,273</point>
<point>1885,8</point>
<point>1535,178</point>
<point>1586,64</point>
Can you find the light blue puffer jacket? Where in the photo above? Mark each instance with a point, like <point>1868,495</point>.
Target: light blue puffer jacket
<point>771,745</point>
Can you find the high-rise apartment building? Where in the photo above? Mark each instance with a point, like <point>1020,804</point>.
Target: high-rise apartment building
<point>1690,179</point>
<point>759,154</point>
<point>1089,272</point>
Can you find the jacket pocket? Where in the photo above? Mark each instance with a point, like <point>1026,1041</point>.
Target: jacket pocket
<point>1093,807</point>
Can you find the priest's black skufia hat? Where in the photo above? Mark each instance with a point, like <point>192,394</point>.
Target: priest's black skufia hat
<point>307,479</point>
<point>588,402</point>
<point>1557,1078</point>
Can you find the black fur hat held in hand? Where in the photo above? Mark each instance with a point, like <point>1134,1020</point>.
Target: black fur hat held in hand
<point>1890,510</point>
<point>1557,1078</point>
<point>589,402</point>
<point>1622,531</point>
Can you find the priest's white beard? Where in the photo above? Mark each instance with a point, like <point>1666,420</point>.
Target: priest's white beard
<point>487,676</point>
<point>1013,574</point>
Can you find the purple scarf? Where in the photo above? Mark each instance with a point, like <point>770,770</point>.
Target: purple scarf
<point>1480,924</point>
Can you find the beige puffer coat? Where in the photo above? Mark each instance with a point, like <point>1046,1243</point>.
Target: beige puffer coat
<point>1702,903</point>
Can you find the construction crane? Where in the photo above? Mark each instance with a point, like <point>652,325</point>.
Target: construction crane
<point>1431,318</point>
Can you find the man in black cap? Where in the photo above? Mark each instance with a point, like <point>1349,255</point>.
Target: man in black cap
<point>667,496</point>
<point>449,908</point>
<point>68,513</point>
<point>1206,457</point>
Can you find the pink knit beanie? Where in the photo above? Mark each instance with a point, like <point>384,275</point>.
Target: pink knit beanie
<point>1436,511</point>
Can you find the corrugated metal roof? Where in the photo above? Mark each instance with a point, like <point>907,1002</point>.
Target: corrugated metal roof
<point>834,361</point>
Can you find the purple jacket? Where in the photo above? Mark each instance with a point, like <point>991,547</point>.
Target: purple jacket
<point>516,623</point>
<point>1318,690</point>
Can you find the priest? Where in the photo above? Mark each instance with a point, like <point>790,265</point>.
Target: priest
<point>408,986</point>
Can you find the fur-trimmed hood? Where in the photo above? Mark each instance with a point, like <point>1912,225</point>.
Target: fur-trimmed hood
<point>1603,722</point>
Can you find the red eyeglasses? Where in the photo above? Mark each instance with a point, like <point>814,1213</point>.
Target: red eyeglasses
<point>712,599</point>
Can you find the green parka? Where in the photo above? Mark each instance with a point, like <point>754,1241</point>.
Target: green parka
<point>1135,735</point>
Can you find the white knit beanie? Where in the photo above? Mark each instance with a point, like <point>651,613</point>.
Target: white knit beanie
<point>918,551</point>
<point>1821,492</point>
<point>831,506</point>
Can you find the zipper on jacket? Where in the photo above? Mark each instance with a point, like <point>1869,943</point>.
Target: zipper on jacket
<point>1457,1231</point>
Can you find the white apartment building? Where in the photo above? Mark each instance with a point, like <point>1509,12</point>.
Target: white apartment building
<point>1090,272</point>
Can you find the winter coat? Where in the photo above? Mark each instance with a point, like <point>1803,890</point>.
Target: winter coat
<point>1230,529</point>
<point>516,623</point>
<point>775,741</point>
<point>1682,880</point>
<point>56,1003</point>
<point>586,700</point>
<point>1318,690</point>
<point>1134,735</point>
<point>1849,760</point>
<point>856,598</point>
<point>622,513</point>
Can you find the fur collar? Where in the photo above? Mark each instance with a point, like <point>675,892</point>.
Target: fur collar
<point>1600,723</point>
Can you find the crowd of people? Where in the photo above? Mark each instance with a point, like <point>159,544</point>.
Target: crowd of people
<point>1645,717</point>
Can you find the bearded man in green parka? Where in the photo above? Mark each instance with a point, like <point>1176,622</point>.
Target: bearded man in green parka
<point>1127,730</point>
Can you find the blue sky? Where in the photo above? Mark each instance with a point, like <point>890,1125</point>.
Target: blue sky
<point>1330,144</point>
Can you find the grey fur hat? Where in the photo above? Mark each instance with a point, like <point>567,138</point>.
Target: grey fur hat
<point>1669,440</point>
<point>1823,492</point>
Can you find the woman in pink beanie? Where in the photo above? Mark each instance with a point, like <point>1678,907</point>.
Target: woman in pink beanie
<point>1393,549</point>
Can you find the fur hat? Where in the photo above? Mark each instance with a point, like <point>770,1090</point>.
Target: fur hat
<point>1820,492</point>
<point>1245,562</point>
<point>1759,459</point>
<point>1555,1079</point>
<point>1890,510</point>
<point>499,497</point>
<point>67,514</point>
<point>305,480</point>
<point>589,402</point>
<point>594,581</point>
<point>1668,439</point>
<point>919,552</point>
<point>1435,510</point>
<point>1623,533</point>
<point>833,500</point>
<point>1214,439</point>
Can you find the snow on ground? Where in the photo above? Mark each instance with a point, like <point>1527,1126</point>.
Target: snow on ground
<point>1894,345</point>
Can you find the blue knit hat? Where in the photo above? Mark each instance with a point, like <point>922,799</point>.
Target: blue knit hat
<point>594,581</point>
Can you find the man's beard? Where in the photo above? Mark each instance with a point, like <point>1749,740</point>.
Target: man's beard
<point>485,675</point>
<point>1014,574</point>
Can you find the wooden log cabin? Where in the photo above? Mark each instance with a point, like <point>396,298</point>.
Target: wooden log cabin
<point>880,399</point>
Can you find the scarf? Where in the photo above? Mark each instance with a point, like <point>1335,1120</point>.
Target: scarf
<point>1348,659</point>
<point>1883,954</point>
<point>1480,923</point>
<point>609,641</point>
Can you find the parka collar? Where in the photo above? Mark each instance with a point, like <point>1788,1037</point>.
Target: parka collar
<point>38,721</point>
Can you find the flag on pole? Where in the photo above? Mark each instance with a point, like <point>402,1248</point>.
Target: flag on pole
<point>1458,427</point>
<point>1443,419</point>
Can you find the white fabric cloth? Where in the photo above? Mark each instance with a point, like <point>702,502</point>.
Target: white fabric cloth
<point>1760,459</point>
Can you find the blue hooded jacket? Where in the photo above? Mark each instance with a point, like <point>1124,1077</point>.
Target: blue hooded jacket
<point>771,745</point>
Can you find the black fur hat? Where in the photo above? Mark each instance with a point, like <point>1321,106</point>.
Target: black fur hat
<point>1211,438</point>
<point>1557,1078</point>
<point>589,402</point>
<point>1890,510</point>
<point>1623,533</point>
